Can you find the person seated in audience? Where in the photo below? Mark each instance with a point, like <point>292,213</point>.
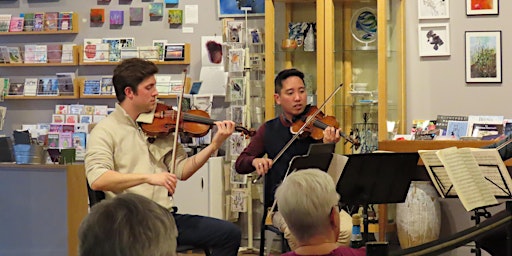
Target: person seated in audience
<point>309,204</point>
<point>128,225</point>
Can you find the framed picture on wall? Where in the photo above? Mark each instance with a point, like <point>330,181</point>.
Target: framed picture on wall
<point>433,9</point>
<point>232,8</point>
<point>482,7</point>
<point>434,39</point>
<point>483,56</point>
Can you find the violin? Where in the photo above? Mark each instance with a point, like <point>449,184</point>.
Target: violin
<point>318,125</point>
<point>195,123</point>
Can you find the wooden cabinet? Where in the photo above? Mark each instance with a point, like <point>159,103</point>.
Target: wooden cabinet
<point>341,58</point>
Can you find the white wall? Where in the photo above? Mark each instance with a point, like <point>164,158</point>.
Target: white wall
<point>436,85</point>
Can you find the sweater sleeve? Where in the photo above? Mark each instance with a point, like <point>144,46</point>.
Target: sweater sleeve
<point>255,149</point>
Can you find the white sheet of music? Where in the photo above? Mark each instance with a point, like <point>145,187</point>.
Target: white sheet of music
<point>336,167</point>
<point>437,173</point>
<point>467,178</point>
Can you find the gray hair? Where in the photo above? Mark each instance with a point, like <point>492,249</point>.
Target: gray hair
<point>305,199</point>
<point>128,225</point>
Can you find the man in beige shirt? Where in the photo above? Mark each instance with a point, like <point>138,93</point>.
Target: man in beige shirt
<point>121,158</point>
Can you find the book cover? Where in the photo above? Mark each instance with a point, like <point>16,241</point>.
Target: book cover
<point>79,144</point>
<point>16,24</point>
<point>65,83</point>
<point>53,139</point>
<point>57,119</point>
<point>38,21</point>
<point>90,51</point>
<point>65,21</point>
<point>457,129</point>
<point>40,53</point>
<point>67,53</point>
<point>16,88</point>
<point>54,53</point>
<point>30,55</point>
<point>29,21</point>
<point>51,21</point>
<point>61,109</point>
<point>30,87</point>
<point>106,85</point>
<point>114,48</point>
<point>65,140</point>
<point>474,119</point>
<point>4,54</point>
<point>149,52</point>
<point>5,22</point>
<point>116,17</point>
<point>92,86</point>
<point>97,15</point>
<point>89,109</point>
<point>86,119</point>
<point>442,121</point>
<point>482,130</point>
<point>129,52</point>
<point>76,109</point>
<point>100,110</point>
<point>15,54</point>
<point>71,119</point>
<point>102,52</point>
<point>47,86</point>
<point>68,128</point>
<point>136,14</point>
<point>160,44</point>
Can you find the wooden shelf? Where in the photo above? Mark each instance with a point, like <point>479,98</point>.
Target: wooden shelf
<point>74,24</point>
<point>56,64</point>
<point>76,84</point>
<point>186,61</point>
<point>81,81</point>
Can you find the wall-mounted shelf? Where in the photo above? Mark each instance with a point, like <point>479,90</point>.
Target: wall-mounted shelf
<point>74,30</point>
<point>75,95</point>
<point>185,61</point>
<point>55,64</point>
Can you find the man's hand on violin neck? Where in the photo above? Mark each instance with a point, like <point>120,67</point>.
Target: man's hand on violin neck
<point>331,135</point>
<point>224,130</point>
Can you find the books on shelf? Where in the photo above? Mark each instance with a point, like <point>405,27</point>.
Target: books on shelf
<point>4,54</point>
<point>90,51</point>
<point>16,24</point>
<point>16,88</point>
<point>129,52</point>
<point>30,87</point>
<point>107,86</point>
<point>29,21</point>
<point>38,21</point>
<point>15,54</point>
<point>5,22</point>
<point>67,53</point>
<point>92,86</point>
<point>54,53</point>
<point>65,20</point>
<point>47,86</point>
<point>65,83</point>
<point>51,21</point>
<point>149,52</point>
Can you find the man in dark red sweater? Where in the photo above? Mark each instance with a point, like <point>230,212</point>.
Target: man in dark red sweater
<point>291,95</point>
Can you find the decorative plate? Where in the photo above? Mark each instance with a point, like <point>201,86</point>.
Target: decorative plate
<point>364,25</point>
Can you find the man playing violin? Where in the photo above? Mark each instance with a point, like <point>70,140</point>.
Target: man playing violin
<point>273,135</point>
<point>120,158</point>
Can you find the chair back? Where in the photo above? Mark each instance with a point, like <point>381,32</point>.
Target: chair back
<point>95,196</point>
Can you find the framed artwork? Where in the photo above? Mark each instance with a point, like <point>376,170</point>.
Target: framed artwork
<point>482,7</point>
<point>231,8</point>
<point>483,56</point>
<point>434,39</point>
<point>433,9</point>
<point>235,89</point>
<point>174,52</point>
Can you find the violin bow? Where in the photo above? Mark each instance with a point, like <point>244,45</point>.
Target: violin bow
<point>178,118</point>
<point>309,120</point>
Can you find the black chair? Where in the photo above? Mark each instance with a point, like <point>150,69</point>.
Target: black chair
<point>96,196</point>
<point>268,187</point>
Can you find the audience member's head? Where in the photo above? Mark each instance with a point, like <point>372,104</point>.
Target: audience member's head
<point>128,225</point>
<point>308,201</point>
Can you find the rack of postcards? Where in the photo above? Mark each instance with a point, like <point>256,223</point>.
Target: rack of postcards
<point>244,51</point>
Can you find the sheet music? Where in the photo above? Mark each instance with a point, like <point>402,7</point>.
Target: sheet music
<point>467,178</point>
<point>336,167</point>
<point>437,173</point>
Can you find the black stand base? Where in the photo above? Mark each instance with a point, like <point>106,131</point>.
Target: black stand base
<point>477,215</point>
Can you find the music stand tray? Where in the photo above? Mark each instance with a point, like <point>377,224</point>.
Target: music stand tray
<point>376,178</point>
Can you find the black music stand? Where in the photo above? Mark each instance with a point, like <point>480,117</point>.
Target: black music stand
<point>376,178</point>
<point>319,156</point>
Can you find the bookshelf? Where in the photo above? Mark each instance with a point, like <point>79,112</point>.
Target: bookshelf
<point>185,61</point>
<point>71,64</point>
<point>74,30</point>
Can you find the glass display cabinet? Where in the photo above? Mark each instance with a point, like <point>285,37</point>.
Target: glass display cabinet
<point>352,48</point>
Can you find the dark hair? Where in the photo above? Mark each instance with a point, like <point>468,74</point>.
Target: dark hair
<point>278,82</point>
<point>130,73</point>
